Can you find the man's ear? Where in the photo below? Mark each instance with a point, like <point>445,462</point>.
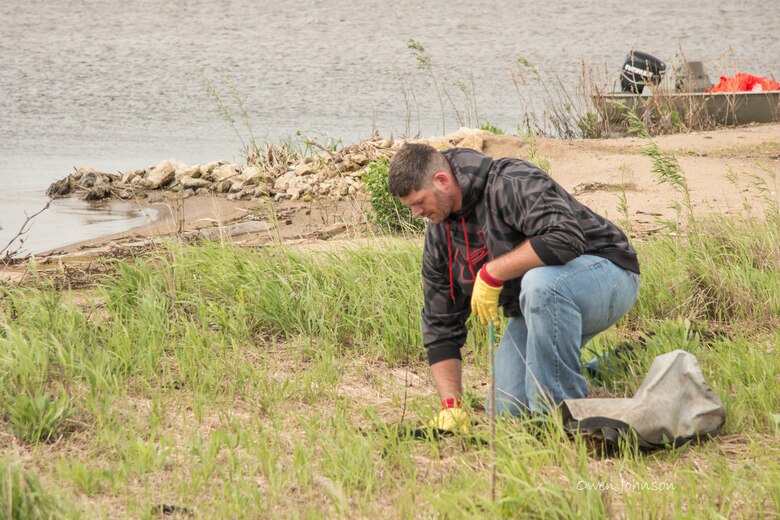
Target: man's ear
<point>441,179</point>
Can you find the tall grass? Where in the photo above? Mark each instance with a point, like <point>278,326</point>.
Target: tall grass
<point>272,382</point>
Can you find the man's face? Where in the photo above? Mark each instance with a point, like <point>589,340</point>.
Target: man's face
<point>431,203</point>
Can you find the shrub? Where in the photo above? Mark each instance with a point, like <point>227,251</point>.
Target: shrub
<point>387,211</point>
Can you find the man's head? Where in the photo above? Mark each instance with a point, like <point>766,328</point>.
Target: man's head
<point>422,179</point>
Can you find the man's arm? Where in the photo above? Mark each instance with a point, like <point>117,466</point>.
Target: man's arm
<point>515,263</point>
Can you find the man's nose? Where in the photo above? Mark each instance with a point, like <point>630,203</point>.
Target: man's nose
<point>417,211</point>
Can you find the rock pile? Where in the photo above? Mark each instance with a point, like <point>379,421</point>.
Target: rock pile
<point>279,174</point>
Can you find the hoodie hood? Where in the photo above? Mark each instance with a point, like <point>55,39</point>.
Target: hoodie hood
<point>472,179</point>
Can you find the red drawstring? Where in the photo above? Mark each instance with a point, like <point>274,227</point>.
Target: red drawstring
<point>449,252</point>
<point>468,249</point>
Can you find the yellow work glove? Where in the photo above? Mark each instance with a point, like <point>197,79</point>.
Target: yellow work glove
<point>451,417</point>
<point>484,298</point>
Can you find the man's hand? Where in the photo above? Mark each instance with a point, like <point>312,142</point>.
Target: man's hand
<point>484,298</point>
<point>451,417</point>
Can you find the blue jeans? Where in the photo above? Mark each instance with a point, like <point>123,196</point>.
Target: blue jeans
<point>537,364</point>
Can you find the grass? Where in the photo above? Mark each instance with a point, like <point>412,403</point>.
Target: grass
<point>225,382</point>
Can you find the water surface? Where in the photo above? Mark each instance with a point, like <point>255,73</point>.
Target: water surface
<point>119,85</point>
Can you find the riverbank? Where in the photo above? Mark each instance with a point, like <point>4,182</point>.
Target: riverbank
<point>728,172</point>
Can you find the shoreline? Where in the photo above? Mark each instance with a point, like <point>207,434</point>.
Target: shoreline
<point>720,166</point>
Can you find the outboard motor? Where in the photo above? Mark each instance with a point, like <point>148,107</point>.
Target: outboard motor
<point>640,69</point>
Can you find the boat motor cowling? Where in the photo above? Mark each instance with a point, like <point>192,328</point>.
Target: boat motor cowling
<point>639,70</point>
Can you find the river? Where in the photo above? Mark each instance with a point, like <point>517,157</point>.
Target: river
<point>120,85</point>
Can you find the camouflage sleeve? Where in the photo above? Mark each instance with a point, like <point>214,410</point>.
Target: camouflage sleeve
<point>531,202</point>
<point>443,320</point>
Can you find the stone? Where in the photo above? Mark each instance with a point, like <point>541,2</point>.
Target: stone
<point>127,193</point>
<point>439,143</point>
<point>359,158</point>
<point>223,186</point>
<point>261,191</point>
<point>156,197</point>
<point>224,172</point>
<point>61,187</point>
<point>189,192</point>
<point>193,183</point>
<point>283,181</point>
<point>210,167</point>
<point>193,173</point>
<point>304,169</point>
<point>472,141</point>
<point>128,177</point>
<point>162,175</point>
<point>99,191</point>
<point>250,175</point>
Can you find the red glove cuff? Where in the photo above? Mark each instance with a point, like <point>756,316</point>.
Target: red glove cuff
<point>450,403</point>
<point>485,276</point>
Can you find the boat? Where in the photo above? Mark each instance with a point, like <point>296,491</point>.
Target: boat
<point>684,94</point>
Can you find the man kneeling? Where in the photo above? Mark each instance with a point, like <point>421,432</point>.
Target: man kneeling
<point>503,232</point>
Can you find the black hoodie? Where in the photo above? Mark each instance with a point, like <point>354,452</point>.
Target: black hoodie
<point>505,202</point>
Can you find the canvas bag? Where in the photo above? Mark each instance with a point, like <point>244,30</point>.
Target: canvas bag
<point>672,406</point>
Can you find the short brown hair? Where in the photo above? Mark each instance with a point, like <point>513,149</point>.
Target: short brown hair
<point>412,168</point>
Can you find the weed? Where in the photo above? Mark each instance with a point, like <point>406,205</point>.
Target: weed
<point>425,63</point>
<point>543,162</point>
<point>22,496</point>
<point>487,127</point>
<point>37,418</point>
<point>387,211</point>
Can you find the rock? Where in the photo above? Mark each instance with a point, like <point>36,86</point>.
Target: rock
<point>193,173</point>
<point>439,143</point>
<point>89,177</point>
<point>81,172</point>
<point>237,186</point>
<point>202,191</point>
<point>225,172</point>
<point>359,158</point>
<point>193,183</point>
<point>188,193</point>
<point>283,182</point>
<point>261,191</point>
<point>61,188</point>
<point>127,193</point>
<point>98,192</point>
<point>160,176</point>
<point>223,186</point>
<point>304,169</point>
<point>386,143</point>
<point>128,177</point>
<point>472,141</point>
<point>250,175</point>
<point>210,167</point>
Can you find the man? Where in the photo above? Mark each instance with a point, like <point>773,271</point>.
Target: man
<point>503,232</point>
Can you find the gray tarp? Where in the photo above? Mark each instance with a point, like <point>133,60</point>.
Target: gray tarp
<point>673,405</point>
